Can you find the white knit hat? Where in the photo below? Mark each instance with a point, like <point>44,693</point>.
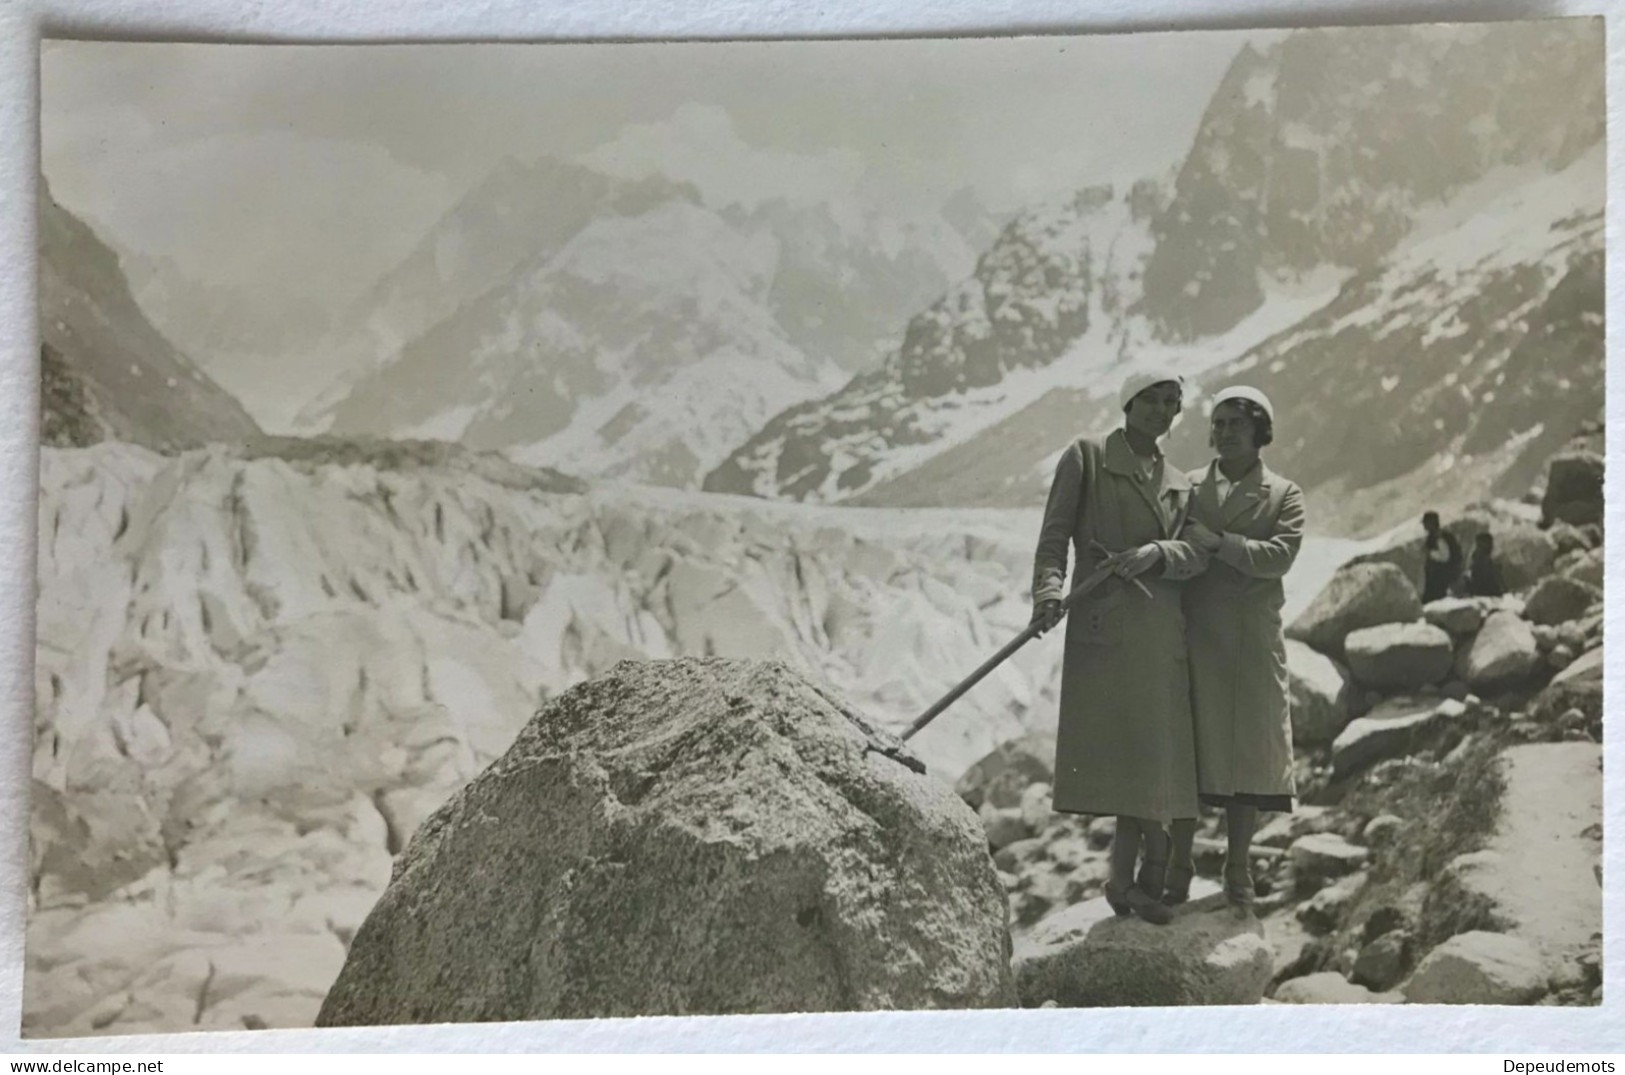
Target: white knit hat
<point>1242,391</point>
<point>1138,382</point>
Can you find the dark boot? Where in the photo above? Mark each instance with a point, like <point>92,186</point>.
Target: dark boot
<point>1125,849</point>
<point>1176,888</point>
<point>1239,888</point>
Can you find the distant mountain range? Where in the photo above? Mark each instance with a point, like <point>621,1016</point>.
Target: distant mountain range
<point>1395,232</point>
<point>1360,211</point>
<point>604,324</point>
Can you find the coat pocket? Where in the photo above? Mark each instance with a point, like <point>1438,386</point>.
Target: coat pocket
<point>1097,621</point>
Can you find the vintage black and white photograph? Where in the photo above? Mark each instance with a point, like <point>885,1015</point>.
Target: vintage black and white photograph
<point>564,531</point>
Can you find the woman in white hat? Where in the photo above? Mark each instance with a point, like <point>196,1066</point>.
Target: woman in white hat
<point>1250,522</point>
<point>1124,747</point>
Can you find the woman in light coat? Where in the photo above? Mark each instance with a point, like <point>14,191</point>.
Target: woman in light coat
<point>1124,746</point>
<point>1249,520</point>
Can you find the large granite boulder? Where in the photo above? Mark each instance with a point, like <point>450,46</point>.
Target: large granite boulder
<point>1319,694</point>
<point>1085,957</point>
<point>685,837</point>
<point>1399,656</point>
<point>1501,655</point>
<point>1358,596</point>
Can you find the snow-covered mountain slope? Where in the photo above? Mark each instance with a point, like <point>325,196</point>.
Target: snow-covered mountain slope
<point>1306,177</point>
<point>106,373</point>
<point>1455,370</point>
<point>1441,378</point>
<point>641,348</point>
<point>578,318</point>
<point>1047,308</point>
<point>849,273</point>
<point>522,211</point>
<point>1324,148</point>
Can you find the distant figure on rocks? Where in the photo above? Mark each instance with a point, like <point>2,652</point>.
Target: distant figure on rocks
<point>1125,742</point>
<point>1441,559</point>
<point>1249,520</point>
<point>1483,576</point>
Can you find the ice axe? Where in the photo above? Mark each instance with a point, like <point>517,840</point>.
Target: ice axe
<point>1099,575</point>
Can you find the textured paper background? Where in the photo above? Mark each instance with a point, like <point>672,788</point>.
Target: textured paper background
<point>1273,1027</point>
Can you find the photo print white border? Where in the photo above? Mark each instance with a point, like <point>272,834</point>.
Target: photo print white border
<point>1275,1028</point>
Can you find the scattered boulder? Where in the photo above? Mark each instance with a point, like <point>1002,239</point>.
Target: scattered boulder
<point>1574,488</point>
<point>1035,807</point>
<point>1323,857</point>
<point>1384,961</point>
<point>1399,656</point>
<point>722,836</point>
<point>1326,909</point>
<point>1394,729</point>
<point>1583,566</point>
<point>1359,595</point>
<point>1458,615</point>
<point>1006,772</point>
<point>1558,600</point>
<point>1003,826</point>
<point>1329,987</point>
<point>1085,956</point>
<point>1502,655</point>
<point>1479,968</point>
<point>1282,830</point>
<point>1579,686</point>
<point>1319,695</point>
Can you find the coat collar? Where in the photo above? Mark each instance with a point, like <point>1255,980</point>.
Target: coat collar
<point>1119,458</point>
<point>1253,488</point>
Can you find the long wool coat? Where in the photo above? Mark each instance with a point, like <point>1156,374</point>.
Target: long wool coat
<point>1239,683</point>
<point>1125,744</point>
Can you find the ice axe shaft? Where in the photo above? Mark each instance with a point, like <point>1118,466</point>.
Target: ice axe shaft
<point>1101,574</point>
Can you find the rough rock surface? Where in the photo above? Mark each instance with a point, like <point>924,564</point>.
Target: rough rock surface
<point>1479,968</point>
<point>1459,615</point>
<point>720,836</point>
<point>1085,956</point>
<point>1329,987</point>
<point>1319,699</point>
<point>1503,653</point>
<point>1391,730</point>
<point>1399,656</point>
<point>1358,596</point>
<point>1579,686</point>
<point>1558,600</point>
<point>1320,857</point>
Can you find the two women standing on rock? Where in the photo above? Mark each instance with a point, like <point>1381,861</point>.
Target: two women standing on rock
<point>1174,679</point>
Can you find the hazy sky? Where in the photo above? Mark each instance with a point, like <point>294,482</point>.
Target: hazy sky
<point>299,174</point>
<point>251,161</point>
